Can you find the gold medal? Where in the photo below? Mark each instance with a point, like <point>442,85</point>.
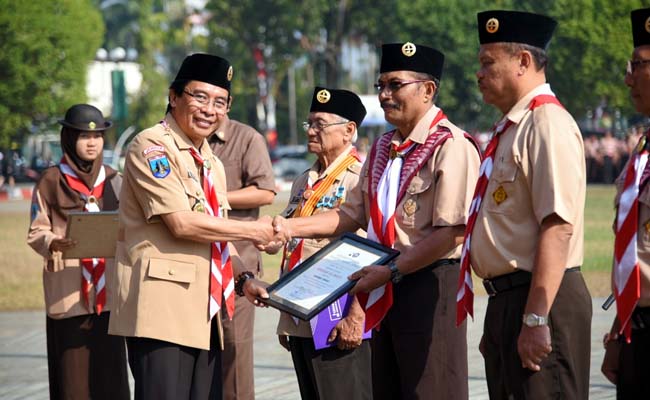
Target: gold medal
<point>410,206</point>
<point>393,153</point>
<point>500,195</point>
<point>307,194</point>
<point>198,207</point>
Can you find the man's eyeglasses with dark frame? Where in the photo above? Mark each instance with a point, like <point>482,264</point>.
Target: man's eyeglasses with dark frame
<point>394,86</point>
<point>219,104</point>
<point>632,65</point>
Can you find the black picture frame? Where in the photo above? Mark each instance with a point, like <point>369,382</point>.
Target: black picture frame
<point>384,255</point>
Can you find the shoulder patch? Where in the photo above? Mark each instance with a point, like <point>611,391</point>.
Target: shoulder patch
<point>150,149</point>
<point>355,168</point>
<point>159,166</point>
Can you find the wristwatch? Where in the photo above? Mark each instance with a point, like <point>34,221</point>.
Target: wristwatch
<point>532,320</point>
<point>395,275</point>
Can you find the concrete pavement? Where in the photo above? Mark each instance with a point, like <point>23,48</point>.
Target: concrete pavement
<point>23,360</point>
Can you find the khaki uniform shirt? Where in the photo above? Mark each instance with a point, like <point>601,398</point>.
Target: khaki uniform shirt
<point>62,277</point>
<point>642,237</point>
<point>348,180</point>
<point>163,280</point>
<point>245,157</point>
<point>539,170</point>
<point>442,190</point>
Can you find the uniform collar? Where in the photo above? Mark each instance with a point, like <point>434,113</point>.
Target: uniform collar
<point>420,133</point>
<point>313,171</point>
<point>520,109</point>
<point>222,132</point>
<point>182,141</point>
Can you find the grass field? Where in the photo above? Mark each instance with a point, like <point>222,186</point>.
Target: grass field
<point>20,266</point>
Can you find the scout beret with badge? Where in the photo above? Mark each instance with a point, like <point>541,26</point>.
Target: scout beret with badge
<point>340,102</point>
<point>84,117</point>
<point>206,68</point>
<point>497,26</point>
<point>641,27</point>
<point>411,57</point>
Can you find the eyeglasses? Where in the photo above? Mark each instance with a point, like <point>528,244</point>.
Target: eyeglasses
<point>394,86</point>
<point>319,127</point>
<point>219,104</point>
<point>632,65</point>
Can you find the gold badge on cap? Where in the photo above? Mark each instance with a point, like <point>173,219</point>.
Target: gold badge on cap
<point>647,25</point>
<point>500,195</point>
<point>408,49</point>
<point>323,96</point>
<point>92,125</point>
<point>492,25</point>
<point>410,206</point>
<point>229,74</point>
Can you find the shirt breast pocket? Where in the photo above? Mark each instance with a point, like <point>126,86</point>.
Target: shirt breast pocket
<point>501,194</point>
<point>412,203</point>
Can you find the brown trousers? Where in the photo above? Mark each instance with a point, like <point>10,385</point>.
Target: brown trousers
<point>418,352</point>
<point>331,374</point>
<point>84,361</point>
<point>565,373</point>
<point>237,356</point>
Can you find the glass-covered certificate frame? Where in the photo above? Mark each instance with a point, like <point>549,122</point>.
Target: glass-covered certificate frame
<point>322,278</point>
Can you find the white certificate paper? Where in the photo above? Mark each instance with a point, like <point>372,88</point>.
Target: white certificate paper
<point>326,275</point>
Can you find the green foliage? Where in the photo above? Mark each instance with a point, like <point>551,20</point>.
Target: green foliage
<point>45,47</point>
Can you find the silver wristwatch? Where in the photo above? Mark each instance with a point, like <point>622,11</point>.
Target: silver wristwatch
<point>532,320</point>
<point>395,275</point>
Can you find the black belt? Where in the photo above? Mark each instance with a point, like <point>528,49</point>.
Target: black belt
<point>510,281</point>
<point>441,262</point>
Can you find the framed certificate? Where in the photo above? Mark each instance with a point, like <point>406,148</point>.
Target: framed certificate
<point>322,278</point>
<point>95,233</point>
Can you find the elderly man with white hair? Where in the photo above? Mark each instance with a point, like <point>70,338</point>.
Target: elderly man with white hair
<point>333,362</point>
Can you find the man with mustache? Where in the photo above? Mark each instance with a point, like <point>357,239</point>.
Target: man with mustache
<point>525,232</point>
<point>628,344</point>
<point>414,193</point>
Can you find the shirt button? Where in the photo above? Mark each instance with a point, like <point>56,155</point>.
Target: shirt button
<point>171,272</point>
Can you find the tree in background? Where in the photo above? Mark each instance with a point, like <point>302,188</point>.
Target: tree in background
<point>45,48</point>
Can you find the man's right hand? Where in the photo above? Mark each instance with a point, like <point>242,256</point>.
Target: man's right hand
<point>268,239</point>
<point>61,244</point>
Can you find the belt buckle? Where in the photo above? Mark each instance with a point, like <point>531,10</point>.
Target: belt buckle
<point>489,288</point>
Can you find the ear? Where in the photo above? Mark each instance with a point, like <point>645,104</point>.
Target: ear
<point>349,130</point>
<point>525,61</point>
<point>229,103</point>
<point>430,91</point>
<point>172,97</point>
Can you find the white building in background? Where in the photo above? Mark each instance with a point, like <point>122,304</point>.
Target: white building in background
<point>98,82</point>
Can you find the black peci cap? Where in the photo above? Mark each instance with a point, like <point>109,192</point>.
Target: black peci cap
<point>206,68</point>
<point>340,102</point>
<point>515,27</point>
<point>84,117</point>
<point>411,57</point>
<point>641,26</point>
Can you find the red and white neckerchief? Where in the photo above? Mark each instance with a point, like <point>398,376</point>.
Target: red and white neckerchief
<point>92,269</point>
<point>386,190</point>
<point>221,275</point>
<point>465,293</point>
<point>627,280</point>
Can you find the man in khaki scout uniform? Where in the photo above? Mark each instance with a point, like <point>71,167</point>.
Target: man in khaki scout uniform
<point>172,220</point>
<point>625,363</point>
<point>342,370</point>
<point>419,179</point>
<point>250,184</point>
<point>527,243</point>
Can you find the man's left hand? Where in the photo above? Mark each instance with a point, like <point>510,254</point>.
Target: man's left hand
<point>370,278</point>
<point>349,333</point>
<point>534,345</point>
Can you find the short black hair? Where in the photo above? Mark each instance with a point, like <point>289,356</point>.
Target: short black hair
<point>428,77</point>
<point>540,58</point>
<point>178,87</point>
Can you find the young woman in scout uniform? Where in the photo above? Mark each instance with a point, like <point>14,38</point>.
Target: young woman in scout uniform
<point>339,366</point>
<point>84,361</point>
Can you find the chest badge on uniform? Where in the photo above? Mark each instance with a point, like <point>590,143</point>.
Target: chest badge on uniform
<point>500,195</point>
<point>198,207</point>
<point>641,145</point>
<point>410,206</point>
<point>159,166</point>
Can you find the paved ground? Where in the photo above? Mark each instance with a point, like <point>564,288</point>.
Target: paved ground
<point>23,363</point>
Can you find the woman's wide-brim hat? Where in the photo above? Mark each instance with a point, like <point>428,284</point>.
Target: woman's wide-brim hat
<point>84,117</point>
